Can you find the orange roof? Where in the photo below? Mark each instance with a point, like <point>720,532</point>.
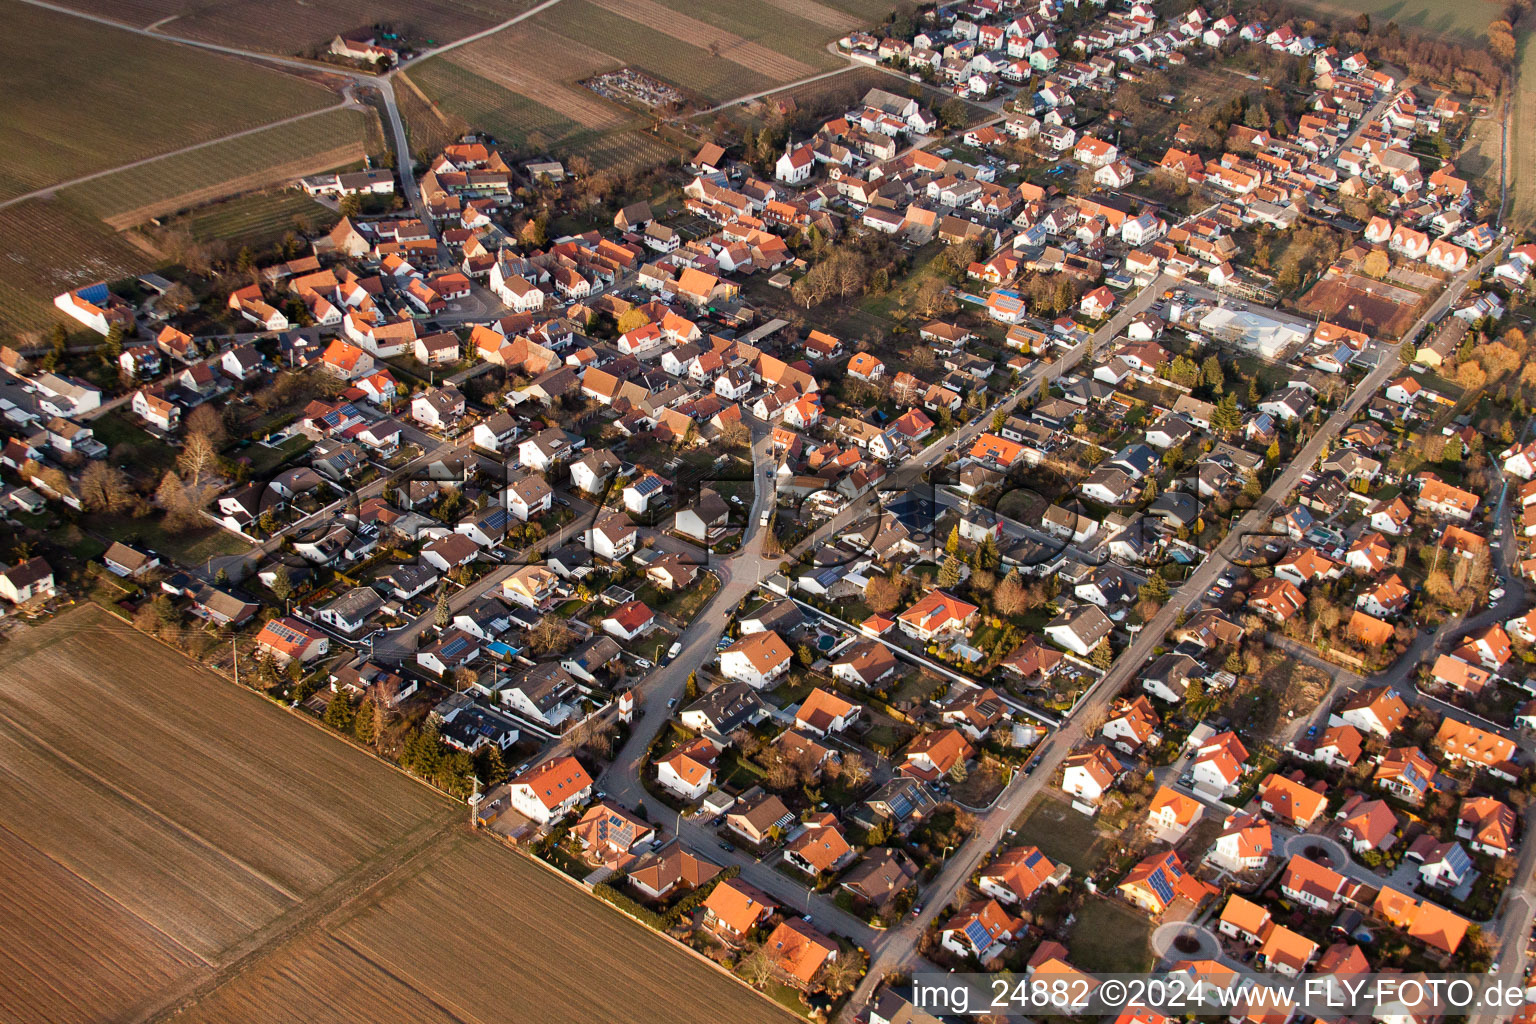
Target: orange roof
<point>1184,809</point>
<point>936,611</point>
<point>1435,926</point>
<point>1283,946</point>
<point>1370,631</point>
<point>1442,493</point>
<point>1468,742</point>
<point>1244,915</point>
<point>691,761</point>
<point>1305,875</point>
<point>999,449</point>
<point>820,707</point>
<point>555,780</point>
<point>1290,799</point>
<point>288,636</point>
<point>1020,869</point>
<point>799,950</point>
<point>942,746</point>
<point>342,355</point>
<point>632,615</point>
<point>765,651</point>
<point>864,363</point>
<point>822,844</point>
<point>1395,907</point>
<point>737,905</point>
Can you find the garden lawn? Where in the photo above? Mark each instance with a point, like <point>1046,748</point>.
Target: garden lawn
<point>1061,833</point>
<point>1110,937</point>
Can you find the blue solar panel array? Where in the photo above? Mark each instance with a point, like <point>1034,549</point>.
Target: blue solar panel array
<point>976,933</point>
<point>1160,885</point>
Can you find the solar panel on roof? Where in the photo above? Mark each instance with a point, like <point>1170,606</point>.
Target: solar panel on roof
<point>901,806</point>
<point>1033,859</point>
<point>1159,883</point>
<point>976,933</point>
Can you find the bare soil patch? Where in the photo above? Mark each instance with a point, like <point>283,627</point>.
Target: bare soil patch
<point>1379,308</point>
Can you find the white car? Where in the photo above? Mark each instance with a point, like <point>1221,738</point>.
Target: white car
<point>1496,593</point>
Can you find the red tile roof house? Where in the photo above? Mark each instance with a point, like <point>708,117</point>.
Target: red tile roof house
<point>287,638</point>
<point>1487,825</point>
<point>820,847</point>
<point>799,951</point>
<point>1160,880</point>
<point>1312,883</point>
<point>734,908</point>
<point>1290,802</point>
<point>1245,843</point>
<point>981,929</point>
<point>1244,920</point>
<point>1018,873</point>
<point>608,835</point>
<point>932,754</point>
<point>551,790</point>
<point>756,659</point>
<point>937,614</point>
<point>630,621</point>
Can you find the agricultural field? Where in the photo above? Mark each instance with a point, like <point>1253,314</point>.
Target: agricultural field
<point>193,846</point>
<point>256,220</point>
<point>81,97</point>
<point>467,936</point>
<point>335,138</point>
<point>51,246</point>
<point>1522,137</point>
<point>524,83</point>
<point>280,26</point>
<point>1480,157</point>
<point>188,817</point>
<point>1457,22</point>
<point>428,126</point>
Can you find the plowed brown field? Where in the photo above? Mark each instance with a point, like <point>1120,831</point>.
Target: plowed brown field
<point>175,845</point>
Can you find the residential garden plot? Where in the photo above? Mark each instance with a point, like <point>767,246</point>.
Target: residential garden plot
<point>333,139</point>
<point>81,97</point>
<point>280,26</point>
<point>1110,937</point>
<point>1062,834</point>
<point>476,933</point>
